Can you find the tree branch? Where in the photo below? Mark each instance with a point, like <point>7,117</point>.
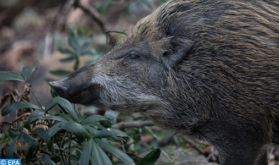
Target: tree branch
<point>96,17</point>
<point>133,124</point>
<point>194,146</point>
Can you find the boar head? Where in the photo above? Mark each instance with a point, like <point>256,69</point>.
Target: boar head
<point>133,75</point>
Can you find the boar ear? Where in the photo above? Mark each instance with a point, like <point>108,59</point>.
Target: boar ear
<point>178,49</point>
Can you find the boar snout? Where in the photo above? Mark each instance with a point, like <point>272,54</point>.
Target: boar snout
<point>59,87</point>
<point>76,91</point>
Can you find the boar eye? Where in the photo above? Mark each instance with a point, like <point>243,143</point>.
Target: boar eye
<point>133,55</point>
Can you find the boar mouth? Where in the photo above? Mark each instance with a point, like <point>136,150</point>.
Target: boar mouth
<point>87,98</point>
<point>88,95</point>
<point>85,95</point>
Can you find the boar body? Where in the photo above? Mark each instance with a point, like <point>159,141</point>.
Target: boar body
<point>206,68</point>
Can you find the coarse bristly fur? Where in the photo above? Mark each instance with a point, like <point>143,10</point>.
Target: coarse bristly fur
<point>209,68</point>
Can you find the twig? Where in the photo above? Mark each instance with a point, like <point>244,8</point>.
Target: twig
<point>194,146</point>
<point>22,116</point>
<point>133,124</point>
<point>96,17</point>
<point>115,31</point>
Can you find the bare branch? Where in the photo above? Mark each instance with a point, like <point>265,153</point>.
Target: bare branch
<point>58,20</point>
<point>133,124</point>
<point>194,146</point>
<point>96,17</point>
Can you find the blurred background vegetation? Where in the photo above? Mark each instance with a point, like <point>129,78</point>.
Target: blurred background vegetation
<point>45,40</point>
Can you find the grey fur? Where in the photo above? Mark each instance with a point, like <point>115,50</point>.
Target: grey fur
<point>225,90</point>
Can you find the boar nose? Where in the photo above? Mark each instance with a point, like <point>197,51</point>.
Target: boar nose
<point>59,87</point>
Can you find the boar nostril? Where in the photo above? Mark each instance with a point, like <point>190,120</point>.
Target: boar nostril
<point>58,87</point>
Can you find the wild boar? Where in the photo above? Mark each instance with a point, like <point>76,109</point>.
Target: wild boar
<point>206,68</point>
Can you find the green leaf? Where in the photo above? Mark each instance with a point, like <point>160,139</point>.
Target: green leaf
<point>116,152</point>
<point>26,72</point>
<point>14,132</point>
<point>18,105</point>
<point>110,133</point>
<point>54,129</point>
<point>5,139</point>
<point>60,72</point>
<point>11,148</point>
<point>46,160</point>
<point>73,41</point>
<point>86,42</point>
<point>150,158</point>
<point>66,51</point>
<point>91,120</point>
<point>67,117</point>
<point>65,105</point>
<point>32,146</point>
<point>67,59</point>
<point>75,128</point>
<point>35,115</point>
<point>9,75</point>
<point>89,52</point>
<point>99,157</point>
<point>92,131</point>
<point>55,118</point>
<point>106,124</point>
<point>43,134</point>
<point>86,152</point>
<point>28,139</point>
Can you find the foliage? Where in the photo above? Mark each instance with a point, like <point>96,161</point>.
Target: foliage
<point>78,45</point>
<point>23,76</point>
<point>58,132</point>
<point>63,133</point>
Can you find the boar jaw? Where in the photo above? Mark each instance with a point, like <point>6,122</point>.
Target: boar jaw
<point>119,93</point>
